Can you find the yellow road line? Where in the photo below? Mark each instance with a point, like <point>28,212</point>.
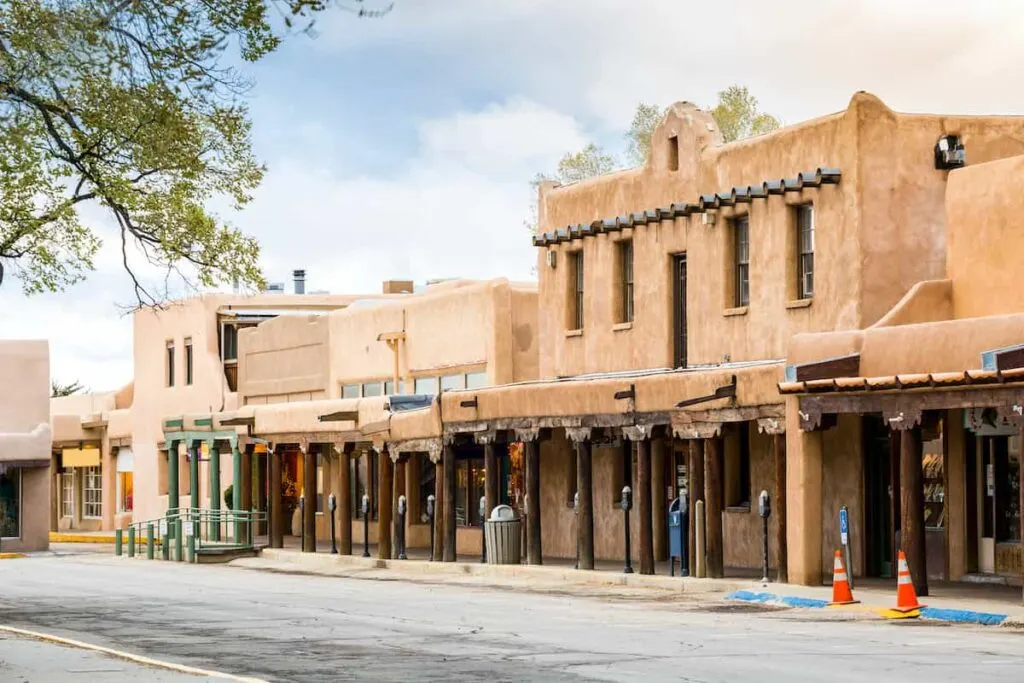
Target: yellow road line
<point>11,556</point>
<point>146,661</point>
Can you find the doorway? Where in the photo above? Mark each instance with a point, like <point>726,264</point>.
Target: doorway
<point>993,503</point>
<point>878,497</point>
<point>679,310</point>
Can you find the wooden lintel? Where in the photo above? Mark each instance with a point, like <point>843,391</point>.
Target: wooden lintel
<point>830,368</point>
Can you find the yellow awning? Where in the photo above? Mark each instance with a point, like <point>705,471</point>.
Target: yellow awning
<point>80,457</point>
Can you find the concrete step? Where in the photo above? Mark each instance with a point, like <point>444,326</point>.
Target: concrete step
<point>216,555</point>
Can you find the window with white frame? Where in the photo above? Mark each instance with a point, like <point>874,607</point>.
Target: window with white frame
<point>67,493</point>
<point>350,391</point>
<point>92,493</point>
<point>805,258</point>
<point>476,380</point>
<point>453,382</point>
<point>425,385</point>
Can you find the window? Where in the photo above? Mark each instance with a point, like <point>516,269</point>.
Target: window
<point>92,493</point>
<point>476,380</point>
<point>625,254</point>
<point>679,309</point>
<point>741,257</point>
<point>188,360</point>
<point>576,290</point>
<point>319,483</point>
<point>426,385</point>
<point>373,389</point>
<point>125,495</point>
<point>622,470</point>
<point>737,466</point>
<point>469,487</point>
<point>67,493</point>
<point>229,342</point>
<point>350,391</point>
<point>428,474</point>
<point>10,503</point>
<point>673,153</point>
<point>170,363</point>
<point>805,266</point>
<point>364,482</point>
<point>453,382</point>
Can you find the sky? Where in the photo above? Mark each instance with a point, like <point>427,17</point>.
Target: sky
<point>403,147</point>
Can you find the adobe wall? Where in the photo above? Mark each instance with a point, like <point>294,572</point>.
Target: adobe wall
<point>24,365</point>
<point>286,358</point>
<point>842,484</point>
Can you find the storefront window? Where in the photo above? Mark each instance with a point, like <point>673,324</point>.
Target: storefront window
<point>92,493</point>
<point>428,472</point>
<point>934,482</point>
<point>1008,492</point>
<point>469,487</point>
<point>10,502</point>
<point>67,493</point>
<point>125,489</point>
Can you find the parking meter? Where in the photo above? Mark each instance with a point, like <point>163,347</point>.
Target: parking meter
<point>627,498</point>
<point>576,503</point>
<point>576,512</point>
<point>764,507</point>
<point>401,527</point>
<point>366,505</point>
<point>430,506</point>
<point>332,505</point>
<point>401,505</point>
<point>626,503</point>
<point>431,500</point>
<point>483,536</point>
<point>302,503</point>
<point>366,525</point>
<point>302,522</point>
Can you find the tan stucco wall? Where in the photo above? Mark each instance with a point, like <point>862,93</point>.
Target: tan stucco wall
<point>927,301</point>
<point>25,376</point>
<point>286,358</point>
<point>743,530</point>
<point>842,484</point>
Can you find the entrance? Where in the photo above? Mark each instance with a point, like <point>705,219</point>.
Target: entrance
<point>878,497</point>
<point>993,501</point>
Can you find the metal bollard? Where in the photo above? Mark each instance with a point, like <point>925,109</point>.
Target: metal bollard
<point>249,527</point>
<point>431,500</point>
<point>165,547</point>
<point>699,561</point>
<point>400,536</point>
<point>627,503</point>
<point>118,540</point>
<point>332,505</point>
<point>179,541</point>
<point>191,549</point>
<point>482,508</point>
<point>684,526</point>
<point>576,512</point>
<point>366,525</point>
<point>131,541</point>
<point>149,541</point>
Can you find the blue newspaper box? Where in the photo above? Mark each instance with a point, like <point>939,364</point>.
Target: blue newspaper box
<point>675,523</point>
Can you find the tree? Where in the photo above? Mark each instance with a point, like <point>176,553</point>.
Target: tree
<point>638,137</point>
<point>132,105</point>
<point>738,117</point>
<point>57,389</point>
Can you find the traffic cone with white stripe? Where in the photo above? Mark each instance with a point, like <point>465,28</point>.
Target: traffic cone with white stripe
<point>906,596</point>
<point>841,593</point>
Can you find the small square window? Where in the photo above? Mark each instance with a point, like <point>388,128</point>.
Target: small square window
<point>425,385</point>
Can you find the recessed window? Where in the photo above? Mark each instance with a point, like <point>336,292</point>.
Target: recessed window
<point>425,385</point>
<point>92,493</point>
<point>737,467</point>
<point>576,290</point>
<point>188,360</point>
<point>10,502</point>
<point>350,391</point>
<point>170,364</point>
<point>373,389</point>
<point>67,492</point>
<point>805,253</point>
<point>453,382</point>
<point>624,250</point>
<point>229,342</point>
<point>673,153</point>
<point>741,260</point>
<point>476,380</point>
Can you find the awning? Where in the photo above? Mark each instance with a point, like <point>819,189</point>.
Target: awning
<point>125,460</point>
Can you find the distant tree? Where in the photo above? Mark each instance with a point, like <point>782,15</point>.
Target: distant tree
<point>638,137</point>
<point>738,116</point>
<point>57,389</point>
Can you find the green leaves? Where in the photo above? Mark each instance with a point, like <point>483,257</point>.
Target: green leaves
<point>130,104</point>
<point>738,117</point>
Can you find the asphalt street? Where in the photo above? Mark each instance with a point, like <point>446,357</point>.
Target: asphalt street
<point>284,627</point>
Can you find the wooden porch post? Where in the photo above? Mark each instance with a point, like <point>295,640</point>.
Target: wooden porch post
<point>713,506</point>
<point>779,451</point>
<point>343,491</point>
<point>274,502</point>
<point>531,453</point>
<point>584,488</point>
<point>491,472</point>
<point>659,511</point>
<point>912,534</point>
<point>385,502</point>
<point>448,465</point>
<point>245,489</point>
<point>399,492</point>
<point>695,484</point>
<point>643,495</point>
<point>173,494</point>
<point>309,498</point>
<point>438,509</point>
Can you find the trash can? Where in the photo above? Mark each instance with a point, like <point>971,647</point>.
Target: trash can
<point>502,536</point>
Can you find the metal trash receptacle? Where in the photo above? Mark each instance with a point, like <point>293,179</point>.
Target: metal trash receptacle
<point>502,535</point>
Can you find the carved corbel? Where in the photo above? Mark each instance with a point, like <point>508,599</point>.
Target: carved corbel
<point>528,434</point>
<point>771,425</point>
<point>484,438</point>
<point>578,434</point>
<point>902,419</point>
<point>697,430</point>
<point>638,432</point>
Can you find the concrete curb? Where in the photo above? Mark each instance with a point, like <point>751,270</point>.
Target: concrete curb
<point>58,537</point>
<point>145,661</point>
<point>12,556</point>
<point>956,616</point>
<point>421,568</point>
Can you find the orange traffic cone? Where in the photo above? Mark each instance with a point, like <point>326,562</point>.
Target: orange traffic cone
<point>841,593</point>
<point>906,596</point>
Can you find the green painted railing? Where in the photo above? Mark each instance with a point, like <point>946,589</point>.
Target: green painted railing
<point>191,529</point>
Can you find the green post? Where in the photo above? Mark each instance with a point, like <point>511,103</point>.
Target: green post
<point>165,547</point>
<point>117,542</point>
<point>173,496</point>
<point>191,549</point>
<point>250,525</point>
<point>215,492</point>
<point>131,541</point>
<point>149,541</point>
<point>179,542</point>
<point>236,490</point>
<point>193,480</point>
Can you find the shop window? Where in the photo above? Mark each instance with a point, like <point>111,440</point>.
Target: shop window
<point>428,476</point>
<point>373,389</point>
<point>469,487</point>
<point>805,254</point>
<point>125,492</point>
<point>575,321</point>
<point>425,385</point>
<point>92,493</point>
<point>169,364</point>
<point>188,360</point>
<point>10,502</point>
<point>364,482</point>
<point>67,493</point>
<point>737,467</point>
<point>741,260</point>
<point>933,475</point>
<point>453,382</point>
<point>624,252</point>
<point>350,391</point>
<point>476,380</point>
<point>622,469</point>
<point>1007,505</point>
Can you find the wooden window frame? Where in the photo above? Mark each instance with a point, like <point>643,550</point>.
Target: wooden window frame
<point>804,250</point>
<point>740,228</point>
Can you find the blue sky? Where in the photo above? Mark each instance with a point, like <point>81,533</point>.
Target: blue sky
<point>404,146</point>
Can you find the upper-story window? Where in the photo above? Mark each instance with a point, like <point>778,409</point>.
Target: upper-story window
<point>741,260</point>
<point>453,382</point>
<point>373,389</point>
<point>425,385</point>
<point>805,253</point>
<point>576,290</point>
<point>169,364</point>
<point>350,391</point>
<point>229,343</point>
<point>673,153</point>
<point>188,360</point>
<point>624,251</point>
<point>476,380</point>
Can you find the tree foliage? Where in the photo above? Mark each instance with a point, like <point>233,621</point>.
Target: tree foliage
<point>57,389</point>
<point>134,105</point>
<point>638,137</point>
<point>738,116</point>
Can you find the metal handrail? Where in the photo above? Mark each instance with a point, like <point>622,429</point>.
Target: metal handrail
<point>222,529</point>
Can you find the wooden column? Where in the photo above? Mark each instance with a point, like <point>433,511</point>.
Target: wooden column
<point>448,463</point>
<point>274,501</point>
<point>660,448</point>
<point>713,506</point>
<point>695,484</point>
<point>912,535</point>
<point>309,499</point>
<point>643,507</point>
<point>438,510</point>
<point>584,487</point>
<point>531,453</point>
<point>245,489</point>
<point>779,506</point>
<point>399,492</point>
<point>173,494</point>
<point>492,473</point>
<point>385,503</point>
<point>343,491</point>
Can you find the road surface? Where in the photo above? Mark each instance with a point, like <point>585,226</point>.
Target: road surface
<point>285,627</point>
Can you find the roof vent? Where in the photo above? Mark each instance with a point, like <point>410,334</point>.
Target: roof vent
<point>299,277</point>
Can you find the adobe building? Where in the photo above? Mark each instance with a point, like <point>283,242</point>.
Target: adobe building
<point>24,445</point>
<point>915,422</point>
<point>668,296</point>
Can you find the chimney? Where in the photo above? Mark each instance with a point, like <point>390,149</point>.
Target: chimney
<point>398,286</point>
<point>300,281</point>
